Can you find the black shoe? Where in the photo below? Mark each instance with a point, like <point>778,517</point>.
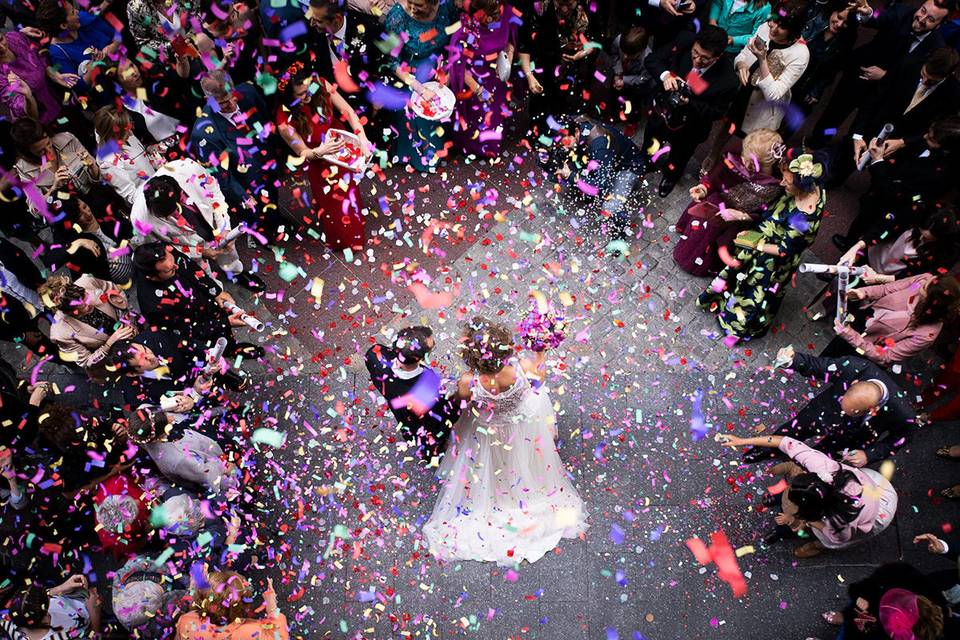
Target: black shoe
<point>250,282</point>
<point>248,351</point>
<point>666,186</point>
<point>841,241</point>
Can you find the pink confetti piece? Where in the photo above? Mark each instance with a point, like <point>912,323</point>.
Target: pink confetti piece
<point>587,189</point>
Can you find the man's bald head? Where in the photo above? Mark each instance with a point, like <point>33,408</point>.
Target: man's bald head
<point>860,398</point>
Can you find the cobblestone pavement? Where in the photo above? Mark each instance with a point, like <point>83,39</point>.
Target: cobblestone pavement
<point>354,564</point>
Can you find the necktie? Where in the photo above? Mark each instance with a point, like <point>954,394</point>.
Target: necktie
<point>918,97</point>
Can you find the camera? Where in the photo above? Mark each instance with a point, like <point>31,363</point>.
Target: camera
<point>676,99</point>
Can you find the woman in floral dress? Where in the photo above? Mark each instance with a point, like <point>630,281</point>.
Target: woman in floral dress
<point>747,294</point>
<point>422,26</point>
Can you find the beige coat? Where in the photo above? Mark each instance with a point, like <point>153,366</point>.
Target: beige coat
<point>77,340</point>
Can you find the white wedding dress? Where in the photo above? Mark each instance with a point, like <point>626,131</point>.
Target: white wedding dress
<point>505,494</point>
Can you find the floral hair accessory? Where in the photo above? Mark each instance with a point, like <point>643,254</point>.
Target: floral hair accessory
<point>805,167</point>
<point>292,71</point>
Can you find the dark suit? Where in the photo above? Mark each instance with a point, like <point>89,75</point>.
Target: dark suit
<point>880,435</point>
<point>213,135</point>
<point>689,124</point>
<point>889,50</point>
<point>185,306</point>
<point>942,100</point>
<point>897,93</point>
<point>365,61</point>
<point>178,374</point>
<point>427,387</point>
<point>901,188</point>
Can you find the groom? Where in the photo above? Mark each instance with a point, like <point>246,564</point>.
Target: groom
<point>414,392</point>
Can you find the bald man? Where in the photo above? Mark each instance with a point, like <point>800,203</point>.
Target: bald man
<point>861,414</point>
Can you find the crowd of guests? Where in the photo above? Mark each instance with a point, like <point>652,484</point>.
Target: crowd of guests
<point>142,139</point>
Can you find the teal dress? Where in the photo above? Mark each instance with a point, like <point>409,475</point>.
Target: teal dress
<point>419,140</point>
<point>752,295</point>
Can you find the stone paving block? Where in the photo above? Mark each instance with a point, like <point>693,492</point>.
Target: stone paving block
<point>566,620</point>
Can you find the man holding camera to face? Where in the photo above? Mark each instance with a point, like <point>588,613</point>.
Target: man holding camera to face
<point>697,84</point>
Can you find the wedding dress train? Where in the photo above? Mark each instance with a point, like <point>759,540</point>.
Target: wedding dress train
<point>505,494</point>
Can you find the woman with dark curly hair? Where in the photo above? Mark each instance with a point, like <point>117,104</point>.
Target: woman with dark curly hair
<point>837,504</point>
<point>505,495</point>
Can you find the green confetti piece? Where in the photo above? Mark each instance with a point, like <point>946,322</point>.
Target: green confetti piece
<point>163,557</point>
<point>269,437</point>
<point>288,271</point>
<point>532,238</point>
<point>158,516</point>
<point>268,83</point>
<point>204,538</point>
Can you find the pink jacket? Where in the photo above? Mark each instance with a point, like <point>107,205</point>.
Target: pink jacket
<point>877,497</point>
<point>888,337</point>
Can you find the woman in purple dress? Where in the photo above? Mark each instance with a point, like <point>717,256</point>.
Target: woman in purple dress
<point>725,201</point>
<point>23,80</point>
<point>481,55</point>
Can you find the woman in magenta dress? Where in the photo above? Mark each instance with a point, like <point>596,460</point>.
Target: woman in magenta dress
<point>481,56</point>
<point>310,108</point>
<point>737,189</point>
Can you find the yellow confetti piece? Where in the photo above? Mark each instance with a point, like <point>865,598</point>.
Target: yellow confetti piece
<point>744,550</point>
<point>316,288</point>
<point>887,467</point>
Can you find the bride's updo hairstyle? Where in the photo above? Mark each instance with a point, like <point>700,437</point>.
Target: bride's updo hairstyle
<point>486,346</point>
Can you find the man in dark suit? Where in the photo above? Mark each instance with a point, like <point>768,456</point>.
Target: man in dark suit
<point>861,413</point>
<point>699,83</point>
<point>905,38</point>
<point>348,37</point>
<point>414,392</point>
<point>235,121</point>
<point>154,365</point>
<point>906,182</point>
<point>911,101</point>
<point>177,297</point>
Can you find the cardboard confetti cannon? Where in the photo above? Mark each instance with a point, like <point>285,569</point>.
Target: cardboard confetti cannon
<point>843,273</point>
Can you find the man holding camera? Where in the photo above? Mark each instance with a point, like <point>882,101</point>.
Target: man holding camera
<point>697,86</point>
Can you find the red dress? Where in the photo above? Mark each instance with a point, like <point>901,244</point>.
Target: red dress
<point>339,210</point>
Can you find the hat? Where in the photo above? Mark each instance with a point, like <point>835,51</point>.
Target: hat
<point>898,614</point>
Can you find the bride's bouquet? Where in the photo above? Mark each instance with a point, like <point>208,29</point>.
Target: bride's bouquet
<point>542,329</point>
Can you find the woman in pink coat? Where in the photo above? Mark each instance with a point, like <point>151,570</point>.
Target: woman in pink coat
<point>900,319</point>
<point>838,504</point>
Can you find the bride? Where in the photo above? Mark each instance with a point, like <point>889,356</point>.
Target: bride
<point>505,495</point>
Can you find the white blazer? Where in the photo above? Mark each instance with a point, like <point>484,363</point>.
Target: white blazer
<point>203,192</point>
<point>770,95</point>
<point>126,169</point>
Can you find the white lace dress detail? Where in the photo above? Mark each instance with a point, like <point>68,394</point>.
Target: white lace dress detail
<point>505,494</point>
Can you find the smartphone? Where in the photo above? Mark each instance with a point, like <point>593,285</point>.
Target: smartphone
<point>763,43</point>
<point>683,4</point>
